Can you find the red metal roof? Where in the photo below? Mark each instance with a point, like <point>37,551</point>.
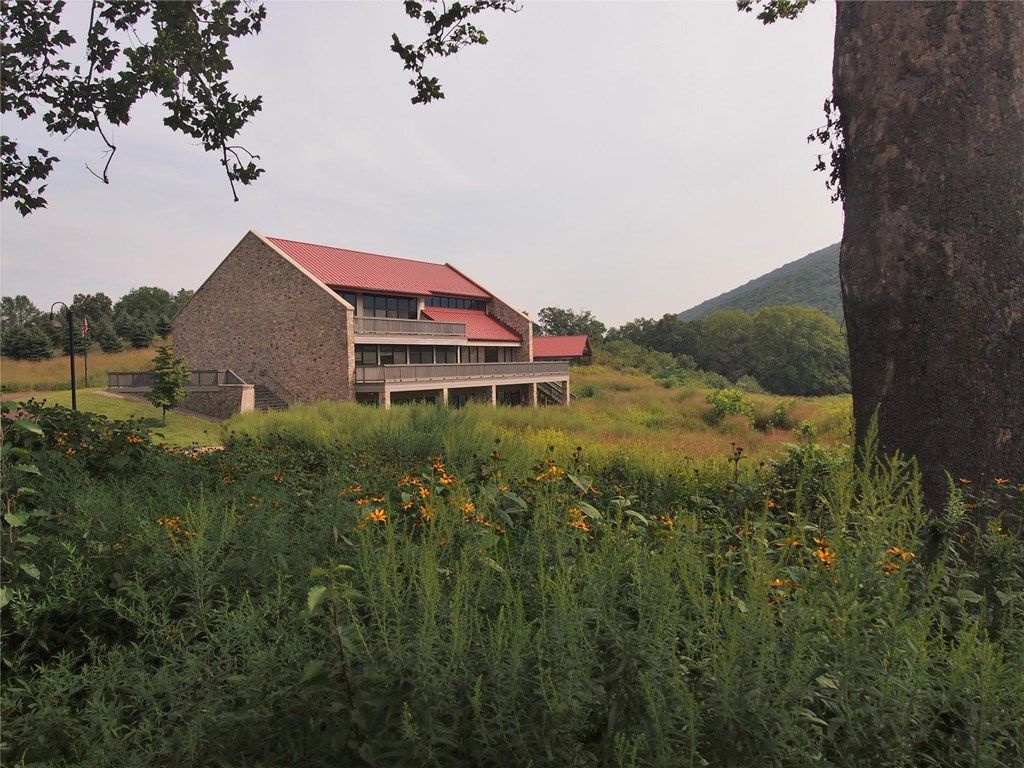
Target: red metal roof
<point>479,325</point>
<point>341,268</point>
<point>560,346</point>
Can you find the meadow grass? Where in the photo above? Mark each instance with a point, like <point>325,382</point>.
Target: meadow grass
<point>55,374</point>
<point>430,587</point>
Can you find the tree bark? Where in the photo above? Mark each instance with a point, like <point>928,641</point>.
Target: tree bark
<point>931,98</point>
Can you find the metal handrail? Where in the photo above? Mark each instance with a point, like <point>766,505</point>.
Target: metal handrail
<point>386,326</point>
<point>457,371</point>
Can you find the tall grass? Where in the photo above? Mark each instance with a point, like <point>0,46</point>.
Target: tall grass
<point>55,374</point>
<point>346,586</point>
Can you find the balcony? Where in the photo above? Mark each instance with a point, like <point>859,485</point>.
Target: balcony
<point>378,327</point>
<point>374,376</point>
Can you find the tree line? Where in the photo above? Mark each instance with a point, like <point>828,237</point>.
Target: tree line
<point>134,321</point>
<point>788,350</point>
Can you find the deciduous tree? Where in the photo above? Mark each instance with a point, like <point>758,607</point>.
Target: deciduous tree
<point>555,321</point>
<point>170,375</point>
<point>927,145</point>
<point>176,50</point>
<point>799,351</point>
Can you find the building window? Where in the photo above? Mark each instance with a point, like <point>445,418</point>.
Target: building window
<point>456,302</point>
<point>366,354</point>
<point>421,355</point>
<point>402,307</point>
<point>351,298</point>
<point>393,355</point>
<point>446,354</point>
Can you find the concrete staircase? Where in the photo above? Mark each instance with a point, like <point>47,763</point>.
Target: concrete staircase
<point>552,393</point>
<point>268,400</point>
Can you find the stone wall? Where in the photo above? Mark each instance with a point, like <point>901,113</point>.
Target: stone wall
<point>262,316</point>
<point>222,403</point>
<point>519,323</point>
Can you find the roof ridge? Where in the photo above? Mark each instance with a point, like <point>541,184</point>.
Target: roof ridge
<point>352,250</point>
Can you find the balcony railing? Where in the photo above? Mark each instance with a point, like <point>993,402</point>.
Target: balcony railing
<point>143,380</point>
<point>386,326</point>
<point>377,374</point>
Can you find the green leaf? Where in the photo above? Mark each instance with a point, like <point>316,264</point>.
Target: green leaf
<point>317,573</point>
<point>30,569</point>
<point>490,563</point>
<point>30,469</point>
<point>582,482</point>
<point>314,672</point>
<point>315,597</point>
<point>28,425</point>
<point>6,595</point>
<point>589,510</point>
<point>15,519</point>
<point>827,682</point>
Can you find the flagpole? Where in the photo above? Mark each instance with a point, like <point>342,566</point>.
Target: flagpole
<point>85,330</point>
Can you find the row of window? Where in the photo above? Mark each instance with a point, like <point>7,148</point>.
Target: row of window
<point>454,302</point>
<point>395,354</point>
<point>405,307</point>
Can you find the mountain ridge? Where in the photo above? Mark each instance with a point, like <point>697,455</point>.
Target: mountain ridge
<point>811,281</point>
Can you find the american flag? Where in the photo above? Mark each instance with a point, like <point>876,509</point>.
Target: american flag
<point>85,327</point>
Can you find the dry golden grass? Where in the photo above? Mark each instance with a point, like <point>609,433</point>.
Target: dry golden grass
<point>55,374</point>
<point>623,411</point>
<point>639,412</point>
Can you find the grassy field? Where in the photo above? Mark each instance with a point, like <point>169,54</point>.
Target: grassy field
<point>615,411</point>
<point>180,429</point>
<point>55,374</point>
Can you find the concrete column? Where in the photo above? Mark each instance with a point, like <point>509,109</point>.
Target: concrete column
<point>531,394</point>
<point>568,396</point>
<point>385,399</point>
<point>494,395</point>
<point>444,396</point>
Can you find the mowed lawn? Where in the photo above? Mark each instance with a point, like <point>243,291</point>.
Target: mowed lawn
<point>180,429</point>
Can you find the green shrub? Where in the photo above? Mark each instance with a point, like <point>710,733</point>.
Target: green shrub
<point>725,402</point>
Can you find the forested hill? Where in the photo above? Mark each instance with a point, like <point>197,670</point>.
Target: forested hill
<point>812,281</point>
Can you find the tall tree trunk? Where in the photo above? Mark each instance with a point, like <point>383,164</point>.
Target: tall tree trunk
<point>931,96</point>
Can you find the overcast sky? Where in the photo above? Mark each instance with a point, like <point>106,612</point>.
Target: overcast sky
<point>626,158</point>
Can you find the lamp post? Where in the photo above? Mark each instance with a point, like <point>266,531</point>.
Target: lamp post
<point>55,325</point>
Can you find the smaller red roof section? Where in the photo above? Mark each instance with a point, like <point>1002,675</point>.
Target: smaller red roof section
<point>341,268</point>
<point>479,325</point>
<point>560,346</point>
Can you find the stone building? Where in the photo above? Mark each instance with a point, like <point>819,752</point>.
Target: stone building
<point>288,322</point>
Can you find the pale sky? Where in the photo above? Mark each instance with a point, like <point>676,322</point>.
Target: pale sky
<point>626,158</point>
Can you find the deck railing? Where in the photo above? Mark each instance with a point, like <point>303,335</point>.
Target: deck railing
<point>386,326</point>
<point>373,374</point>
<point>143,380</point>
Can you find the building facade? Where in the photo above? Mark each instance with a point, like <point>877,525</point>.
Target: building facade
<point>303,322</point>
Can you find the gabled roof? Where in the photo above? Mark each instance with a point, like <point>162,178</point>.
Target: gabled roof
<point>340,268</point>
<point>560,346</point>
<point>479,325</point>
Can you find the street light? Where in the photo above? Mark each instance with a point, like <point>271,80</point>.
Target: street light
<point>54,324</point>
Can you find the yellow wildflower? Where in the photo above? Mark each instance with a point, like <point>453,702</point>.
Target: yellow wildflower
<point>827,555</point>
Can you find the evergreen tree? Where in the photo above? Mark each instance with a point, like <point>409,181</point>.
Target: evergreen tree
<point>142,334</point>
<point>170,375</point>
<point>163,327</point>
<point>106,337</point>
<point>28,342</point>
